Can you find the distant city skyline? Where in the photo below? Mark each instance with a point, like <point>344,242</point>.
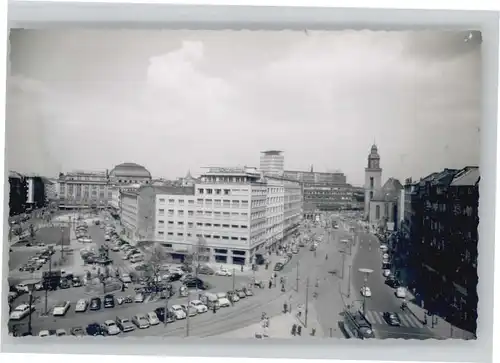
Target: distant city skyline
<point>175,101</point>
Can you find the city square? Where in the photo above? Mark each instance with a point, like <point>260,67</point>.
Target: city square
<point>252,201</point>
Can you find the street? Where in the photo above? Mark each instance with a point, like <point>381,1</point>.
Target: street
<point>383,297</point>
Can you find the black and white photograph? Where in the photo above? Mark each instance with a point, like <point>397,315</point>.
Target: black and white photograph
<point>243,184</point>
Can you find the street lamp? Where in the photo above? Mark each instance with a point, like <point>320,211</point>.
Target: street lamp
<point>366,272</point>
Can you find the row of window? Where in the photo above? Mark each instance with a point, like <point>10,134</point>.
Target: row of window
<point>161,223</point>
<point>181,234</point>
<point>199,213</point>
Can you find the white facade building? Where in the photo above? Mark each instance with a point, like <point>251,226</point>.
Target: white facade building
<point>226,211</point>
<point>272,162</point>
<point>275,211</point>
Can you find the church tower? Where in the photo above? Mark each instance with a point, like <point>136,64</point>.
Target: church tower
<point>373,177</point>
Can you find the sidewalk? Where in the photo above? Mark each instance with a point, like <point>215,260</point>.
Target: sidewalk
<point>280,327</point>
<point>441,327</point>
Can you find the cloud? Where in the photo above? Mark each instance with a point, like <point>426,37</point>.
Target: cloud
<point>322,98</point>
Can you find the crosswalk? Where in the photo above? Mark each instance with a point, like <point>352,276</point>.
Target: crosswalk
<point>408,320</point>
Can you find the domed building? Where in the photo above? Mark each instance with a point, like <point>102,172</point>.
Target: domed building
<point>129,173</point>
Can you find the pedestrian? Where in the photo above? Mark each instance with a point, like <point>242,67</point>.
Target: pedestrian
<point>270,284</point>
<point>214,309</point>
<point>285,307</point>
<point>283,288</point>
<point>241,268</point>
<point>294,329</point>
<point>299,330</point>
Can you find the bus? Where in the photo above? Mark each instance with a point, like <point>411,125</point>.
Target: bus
<point>357,326</point>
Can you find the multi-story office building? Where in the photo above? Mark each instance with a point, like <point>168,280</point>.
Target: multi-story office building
<point>83,189</point>
<point>440,224</point>
<point>36,192</point>
<point>226,212</point>
<point>138,210</point>
<point>293,207</point>
<point>18,193</point>
<point>312,177</point>
<point>272,162</point>
<point>326,197</point>
<point>275,211</point>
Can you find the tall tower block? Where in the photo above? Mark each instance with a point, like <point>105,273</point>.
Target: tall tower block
<point>373,177</point>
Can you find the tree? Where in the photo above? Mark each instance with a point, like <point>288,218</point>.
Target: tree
<point>154,262</point>
<point>197,255</point>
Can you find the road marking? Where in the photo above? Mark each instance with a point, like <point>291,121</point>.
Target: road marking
<point>411,321</point>
<point>407,320</point>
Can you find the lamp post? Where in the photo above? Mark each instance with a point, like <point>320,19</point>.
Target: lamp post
<point>366,272</point>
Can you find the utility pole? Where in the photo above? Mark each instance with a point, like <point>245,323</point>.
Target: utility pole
<point>349,283</point>
<point>62,243</point>
<point>166,311</point>
<point>30,307</point>
<point>297,280</point>
<point>343,263</point>
<point>307,302</point>
<point>233,280</point>
<point>187,314</point>
<point>46,283</point>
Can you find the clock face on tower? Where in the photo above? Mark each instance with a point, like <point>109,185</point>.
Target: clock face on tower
<point>374,164</point>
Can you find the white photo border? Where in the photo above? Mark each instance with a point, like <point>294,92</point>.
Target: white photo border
<point>37,15</point>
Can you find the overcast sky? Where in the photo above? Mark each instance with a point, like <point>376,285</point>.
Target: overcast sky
<point>179,100</point>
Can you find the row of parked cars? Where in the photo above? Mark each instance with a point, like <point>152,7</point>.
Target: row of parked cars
<point>39,259</point>
<point>82,233</point>
<point>204,303</point>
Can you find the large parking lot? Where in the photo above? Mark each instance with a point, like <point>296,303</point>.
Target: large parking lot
<point>46,235</point>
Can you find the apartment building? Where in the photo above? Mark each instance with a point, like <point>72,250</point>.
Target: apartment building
<point>226,213</point>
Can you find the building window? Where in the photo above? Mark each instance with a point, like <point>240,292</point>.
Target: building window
<point>218,250</point>
<point>371,195</point>
<point>171,222</point>
<point>218,191</point>
<point>190,213</point>
<point>199,212</point>
<point>200,191</point>
<point>190,225</point>
<point>170,233</point>
<point>180,234</point>
<point>371,182</point>
<point>225,237</point>
<point>180,223</point>
<point>239,253</point>
<point>243,226</point>
<point>208,213</point>
<point>208,224</point>
<point>377,212</point>
<point>227,191</point>
<point>161,222</point>
<point>161,212</point>
<point>199,224</point>
<point>215,237</point>
<point>171,201</point>
<point>225,225</point>
<point>234,238</point>
<point>209,191</point>
<point>162,200</point>
<point>180,213</point>
<point>216,225</point>
<point>234,226</point>
<point>181,201</point>
<point>190,201</point>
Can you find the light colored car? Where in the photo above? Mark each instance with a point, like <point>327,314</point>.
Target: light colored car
<point>386,273</point>
<point>223,272</point>
<point>385,256</point>
<point>152,318</point>
<point>115,249</point>
<point>61,308</point>
<point>223,300</point>
<point>126,278</point>
<point>401,292</point>
<point>139,298</point>
<point>81,305</point>
<point>366,292</point>
<point>190,310</point>
<point>22,287</point>
<point>21,312</point>
<point>178,312</point>
<point>384,248</point>
<point>141,321</point>
<point>199,306</point>
<point>44,333</point>
<point>111,328</point>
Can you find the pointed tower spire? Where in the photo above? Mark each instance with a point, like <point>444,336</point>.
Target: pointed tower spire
<point>188,175</point>
<point>312,168</point>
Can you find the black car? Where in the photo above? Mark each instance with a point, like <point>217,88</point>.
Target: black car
<point>392,282</point>
<point>174,277</point>
<point>76,282</point>
<point>278,266</point>
<point>64,284</point>
<point>94,329</point>
<point>205,270</point>
<point>109,301</point>
<point>195,283</point>
<point>160,313</point>
<point>392,319</point>
<point>95,303</point>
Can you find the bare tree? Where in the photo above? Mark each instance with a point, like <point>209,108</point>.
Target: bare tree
<point>154,263</point>
<point>197,254</point>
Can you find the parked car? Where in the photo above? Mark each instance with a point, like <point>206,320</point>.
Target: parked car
<point>76,282</point>
<point>233,296</point>
<point>77,331</point>
<point>110,328</point>
<point>189,310</point>
<point>160,313</point>
<point>400,292</point>
<point>139,298</point>
<point>152,318</point>
<point>141,321</point>
<point>61,333</point>
<point>241,293</point>
<point>94,329</point>
<point>178,312</point>
<point>223,300</point>
<point>223,272</point>
<point>81,305</point>
<point>199,306</point>
<point>126,278</point>
<point>124,324</point>
<point>109,301</point>
<point>61,308</point>
<point>195,283</point>
<point>95,303</point>
<point>205,270</point>
<point>21,311</point>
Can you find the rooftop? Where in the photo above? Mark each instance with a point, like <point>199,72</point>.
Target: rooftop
<point>468,176</point>
<point>129,170</point>
<point>390,191</point>
<point>272,152</point>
